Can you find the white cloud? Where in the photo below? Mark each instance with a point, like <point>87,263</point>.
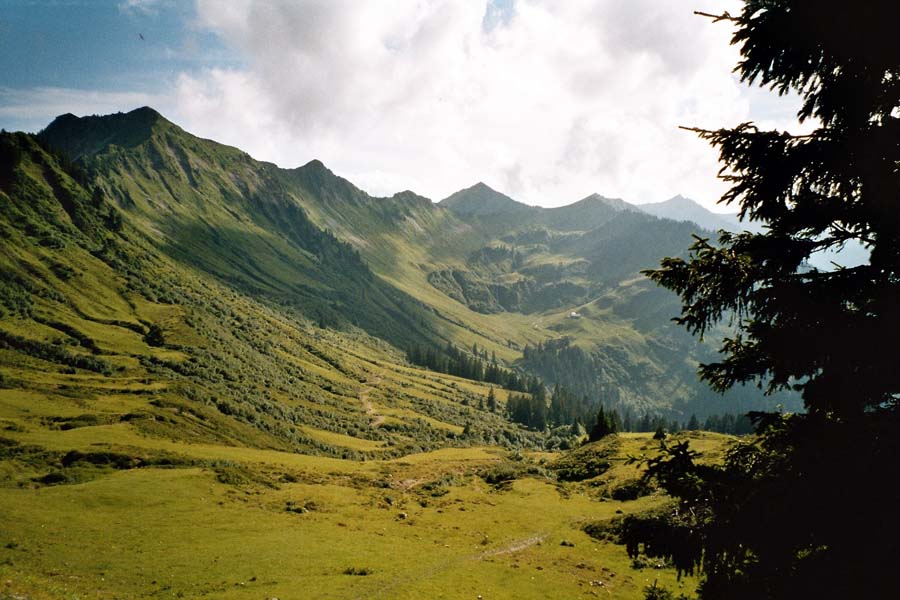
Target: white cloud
<point>549,103</point>
<point>145,7</point>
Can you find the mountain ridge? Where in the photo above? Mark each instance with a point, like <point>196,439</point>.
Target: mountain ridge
<point>403,268</point>
<point>482,200</point>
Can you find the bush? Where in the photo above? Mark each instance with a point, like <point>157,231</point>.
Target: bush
<point>503,474</point>
<point>52,478</point>
<point>112,459</point>
<point>632,490</point>
<point>155,336</point>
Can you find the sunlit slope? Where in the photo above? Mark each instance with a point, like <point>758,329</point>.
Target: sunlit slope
<point>214,208</point>
<point>111,334</point>
<point>258,227</point>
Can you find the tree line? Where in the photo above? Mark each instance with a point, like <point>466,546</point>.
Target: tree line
<point>476,365</point>
<point>564,407</point>
<point>538,408</point>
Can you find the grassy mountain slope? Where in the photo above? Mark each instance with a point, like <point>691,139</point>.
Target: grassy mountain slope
<point>217,209</point>
<point>236,523</point>
<point>91,307</point>
<point>478,267</point>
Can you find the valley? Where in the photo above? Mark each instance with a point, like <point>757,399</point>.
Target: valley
<point>207,354</point>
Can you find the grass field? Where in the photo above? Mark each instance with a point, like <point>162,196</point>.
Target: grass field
<point>239,523</point>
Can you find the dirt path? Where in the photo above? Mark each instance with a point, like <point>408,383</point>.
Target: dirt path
<point>515,546</point>
<point>377,419</point>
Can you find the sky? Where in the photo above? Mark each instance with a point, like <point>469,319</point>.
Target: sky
<point>546,101</point>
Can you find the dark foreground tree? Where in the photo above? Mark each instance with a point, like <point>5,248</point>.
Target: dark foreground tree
<point>811,508</point>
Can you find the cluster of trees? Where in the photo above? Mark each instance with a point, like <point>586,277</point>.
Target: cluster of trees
<point>475,365</point>
<point>529,409</point>
<point>724,423</point>
<point>564,407</point>
<point>559,361</point>
<point>53,353</point>
<point>606,424</point>
<point>538,411</point>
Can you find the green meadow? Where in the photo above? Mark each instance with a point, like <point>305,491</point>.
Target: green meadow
<point>201,520</point>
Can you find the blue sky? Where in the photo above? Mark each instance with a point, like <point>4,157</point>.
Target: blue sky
<point>544,100</point>
<point>96,46</point>
<point>113,46</point>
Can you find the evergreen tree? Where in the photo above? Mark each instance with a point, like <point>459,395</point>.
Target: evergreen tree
<point>577,429</point>
<point>645,425</point>
<point>615,420</point>
<point>693,423</point>
<point>492,400</point>
<point>603,426</point>
<point>773,521</point>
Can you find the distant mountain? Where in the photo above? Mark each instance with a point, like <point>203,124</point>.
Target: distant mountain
<point>575,269</point>
<point>489,207</point>
<point>79,137</point>
<point>245,222</point>
<point>614,203</point>
<point>586,214</point>
<point>481,200</point>
<point>680,208</point>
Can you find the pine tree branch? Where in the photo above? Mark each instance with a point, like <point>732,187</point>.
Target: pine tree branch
<point>702,131</point>
<point>696,129</point>
<point>847,235</point>
<point>725,16</point>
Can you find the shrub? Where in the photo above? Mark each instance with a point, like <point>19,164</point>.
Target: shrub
<point>154,336</point>
<point>631,490</point>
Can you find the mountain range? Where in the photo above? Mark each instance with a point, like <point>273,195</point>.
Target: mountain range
<point>257,300</point>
